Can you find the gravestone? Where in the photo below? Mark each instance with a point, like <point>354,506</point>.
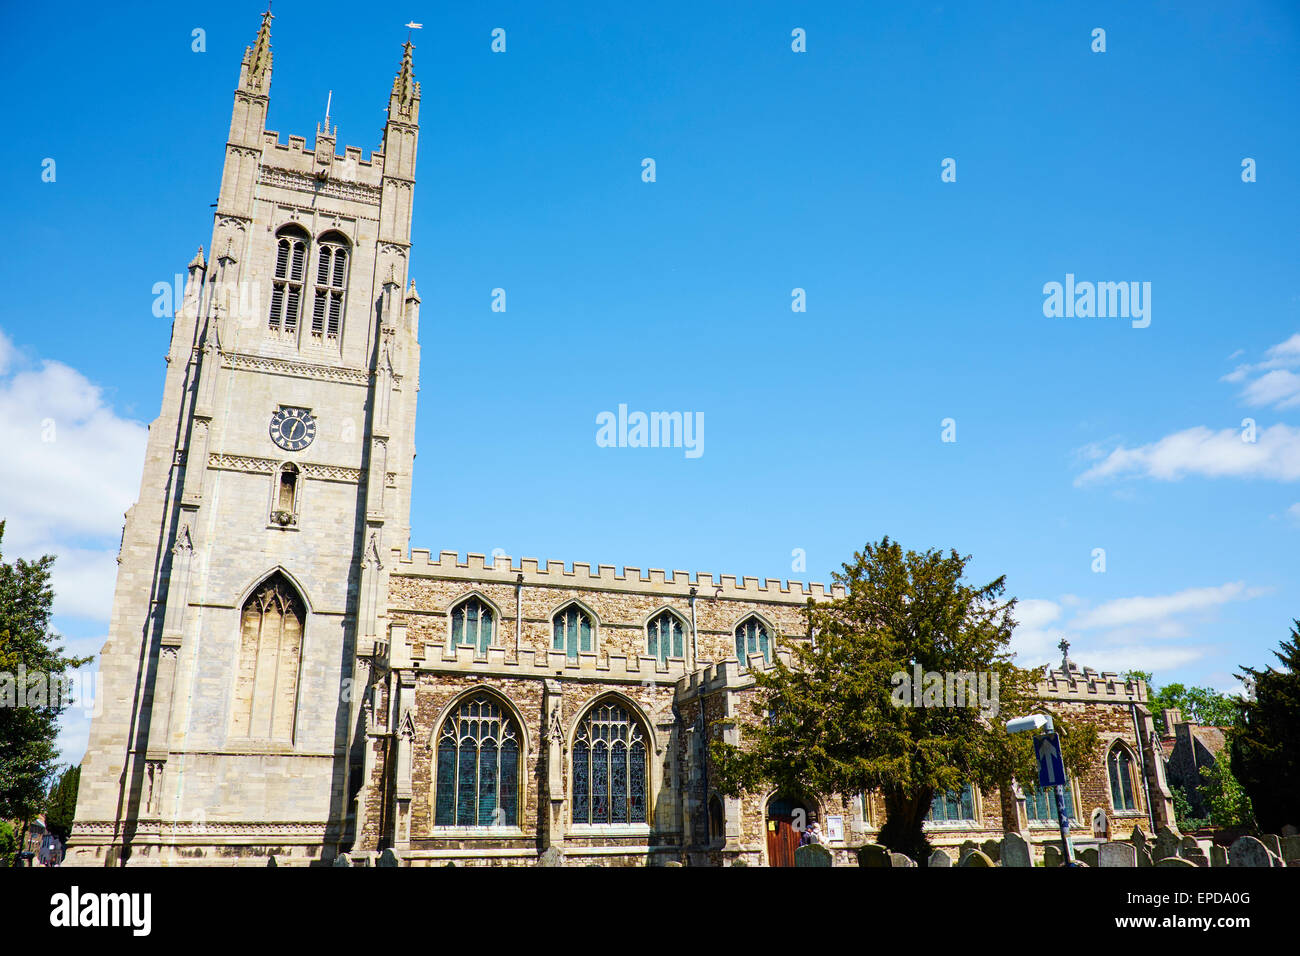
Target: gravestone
<point>976,858</point>
<point>552,856</point>
<point>940,859</point>
<point>1100,825</point>
<point>992,849</point>
<point>1290,830</point>
<point>1088,856</point>
<point>1273,842</point>
<point>388,858</point>
<point>1187,843</point>
<point>1138,837</point>
<point>1174,861</point>
<point>676,863</point>
<point>812,854</point>
<point>1051,855</point>
<point>901,860</point>
<point>1117,854</point>
<point>1290,848</point>
<point>1015,851</point>
<point>342,860</point>
<point>874,855</point>
<point>967,848</point>
<point>1247,851</point>
<point>1167,843</point>
<point>1144,856</point>
<point>1218,855</point>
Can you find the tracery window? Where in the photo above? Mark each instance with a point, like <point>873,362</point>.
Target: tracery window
<point>664,636</point>
<point>471,623</point>
<point>1040,804</point>
<point>1120,765</point>
<point>752,638</point>
<point>286,286</point>
<point>477,777</point>
<point>610,768</point>
<point>266,685</point>
<point>953,806</point>
<point>331,286</point>
<point>573,632</point>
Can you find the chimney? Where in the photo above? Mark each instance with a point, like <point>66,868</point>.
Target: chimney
<point>1172,716</point>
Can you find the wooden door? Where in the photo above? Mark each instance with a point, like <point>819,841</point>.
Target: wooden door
<point>782,841</point>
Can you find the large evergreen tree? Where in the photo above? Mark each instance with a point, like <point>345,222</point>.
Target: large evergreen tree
<point>61,806</point>
<point>830,725</point>
<point>30,656</point>
<point>1265,756</point>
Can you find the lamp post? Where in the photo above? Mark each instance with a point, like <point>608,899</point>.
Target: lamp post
<point>1033,724</point>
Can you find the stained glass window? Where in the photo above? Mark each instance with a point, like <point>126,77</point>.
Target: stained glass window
<point>573,632</point>
<point>664,636</point>
<point>1040,805</point>
<point>752,638</point>
<point>609,768</point>
<point>471,623</point>
<point>477,776</point>
<point>953,805</point>
<point>1121,779</point>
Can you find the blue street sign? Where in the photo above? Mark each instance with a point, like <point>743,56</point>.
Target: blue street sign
<point>1051,769</point>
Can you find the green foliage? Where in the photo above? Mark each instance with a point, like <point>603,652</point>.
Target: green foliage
<point>1225,798</point>
<point>61,806</point>
<point>1183,811</point>
<point>1200,705</point>
<point>1265,755</point>
<point>830,724</point>
<point>8,844</point>
<point>28,646</point>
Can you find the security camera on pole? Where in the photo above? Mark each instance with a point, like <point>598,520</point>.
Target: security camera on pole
<point>1051,769</point>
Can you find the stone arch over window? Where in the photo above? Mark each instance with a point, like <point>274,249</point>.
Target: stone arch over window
<point>611,765</point>
<point>473,620</point>
<point>573,630</point>
<point>1121,769</point>
<point>271,623</point>
<point>754,635</point>
<point>333,260</point>
<point>292,243</point>
<point>479,760</point>
<point>666,635</point>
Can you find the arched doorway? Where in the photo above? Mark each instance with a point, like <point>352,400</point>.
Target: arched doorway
<point>787,818</point>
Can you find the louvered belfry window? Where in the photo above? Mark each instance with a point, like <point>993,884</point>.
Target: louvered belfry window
<point>286,286</point>
<point>331,287</point>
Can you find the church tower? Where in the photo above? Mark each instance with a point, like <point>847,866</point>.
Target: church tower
<point>252,587</point>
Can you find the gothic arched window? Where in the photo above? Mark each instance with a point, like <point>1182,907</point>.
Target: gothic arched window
<point>953,806</point>
<point>1120,765</point>
<point>664,636</point>
<point>270,647</point>
<point>331,287</point>
<point>752,638</point>
<point>1040,804</point>
<point>471,623</point>
<point>610,768</point>
<point>477,776</point>
<point>286,286</point>
<point>573,632</point>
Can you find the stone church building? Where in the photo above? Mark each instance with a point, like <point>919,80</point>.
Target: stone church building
<point>285,676</point>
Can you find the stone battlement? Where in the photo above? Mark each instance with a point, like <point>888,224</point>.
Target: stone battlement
<point>295,157</point>
<point>1090,685</point>
<point>448,564</point>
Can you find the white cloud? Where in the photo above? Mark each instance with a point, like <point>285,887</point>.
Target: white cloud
<point>70,468</point>
<point>1276,386</point>
<point>1153,610</point>
<point>1275,455</point>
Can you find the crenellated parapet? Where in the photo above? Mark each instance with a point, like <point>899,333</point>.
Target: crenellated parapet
<point>1088,685</point>
<point>448,565</point>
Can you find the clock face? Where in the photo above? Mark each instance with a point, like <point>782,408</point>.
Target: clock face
<point>293,428</point>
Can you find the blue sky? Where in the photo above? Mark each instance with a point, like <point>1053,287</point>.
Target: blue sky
<point>775,170</point>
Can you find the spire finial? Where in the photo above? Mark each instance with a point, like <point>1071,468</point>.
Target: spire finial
<point>1064,647</point>
<point>405,90</point>
<point>257,58</point>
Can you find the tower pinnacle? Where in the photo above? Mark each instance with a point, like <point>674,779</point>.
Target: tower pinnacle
<point>255,73</point>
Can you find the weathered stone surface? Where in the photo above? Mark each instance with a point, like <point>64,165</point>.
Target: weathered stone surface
<point>1144,856</point>
<point>1117,854</point>
<point>389,858</point>
<point>1051,855</point>
<point>992,849</point>
<point>940,859</point>
<point>901,860</point>
<point>1218,855</point>
<point>796,861</point>
<point>976,858</point>
<point>1291,847</point>
<point>814,854</point>
<point>1248,851</point>
<point>1138,837</point>
<point>1167,843</point>
<point>1273,842</point>
<point>1100,824</point>
<point>873,854</point>
<point>342,860</point>
<point>967,848</point>
<point>1015,851</point>
<point>1173,861</point>
<point>551,856</point>
<point>1087,855</point>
